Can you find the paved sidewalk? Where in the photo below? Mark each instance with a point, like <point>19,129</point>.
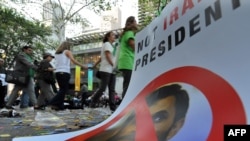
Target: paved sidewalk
<point>38,122</point>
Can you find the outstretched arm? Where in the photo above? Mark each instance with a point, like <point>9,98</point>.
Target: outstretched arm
<point>72,59</point>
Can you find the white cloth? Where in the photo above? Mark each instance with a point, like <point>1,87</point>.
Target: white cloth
<point>105,65</point>
<point>62,63</point>
<point>2,78</point>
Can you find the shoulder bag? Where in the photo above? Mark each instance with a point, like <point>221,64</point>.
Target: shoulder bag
<point>17,77</point>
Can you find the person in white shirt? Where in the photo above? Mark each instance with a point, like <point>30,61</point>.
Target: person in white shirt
<point>107,66</point>
<point>63,57</point>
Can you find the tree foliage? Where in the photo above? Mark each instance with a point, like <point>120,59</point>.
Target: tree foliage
<point>149,9</point>
<point>16,31</point>
<point>69,11</point>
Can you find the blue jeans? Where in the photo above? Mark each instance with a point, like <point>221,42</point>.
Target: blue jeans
<point>24,101</point>
<point>63,83</point>
<point>29,90</point>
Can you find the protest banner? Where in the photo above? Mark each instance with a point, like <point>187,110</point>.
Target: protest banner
<point>191,77</point>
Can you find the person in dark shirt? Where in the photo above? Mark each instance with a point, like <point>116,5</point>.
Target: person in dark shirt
<point>24,63</point>
<point>3,84</point>
<point>45,78</point>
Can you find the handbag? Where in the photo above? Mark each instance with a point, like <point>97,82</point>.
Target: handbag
<point>17,77</point>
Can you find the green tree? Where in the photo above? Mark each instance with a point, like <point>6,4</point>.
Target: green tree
<point>16,31</point>
<point>149,9</point>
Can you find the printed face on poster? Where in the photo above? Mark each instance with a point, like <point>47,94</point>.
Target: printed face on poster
<point>190,78</point>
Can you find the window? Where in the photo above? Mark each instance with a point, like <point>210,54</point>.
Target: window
<point>47,11</point>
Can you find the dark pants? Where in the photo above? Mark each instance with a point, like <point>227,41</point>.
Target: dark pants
<point>53,85</point>
<point>63,82</point>
<point>3,92</point>
<point>126,80</point>
<point>107,79</point>
<point>37,89</point>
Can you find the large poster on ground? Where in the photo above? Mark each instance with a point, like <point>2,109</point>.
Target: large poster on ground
<point>191,77</point>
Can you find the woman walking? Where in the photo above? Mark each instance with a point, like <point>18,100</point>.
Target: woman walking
<point>63,57</point>
<point>107,62</point>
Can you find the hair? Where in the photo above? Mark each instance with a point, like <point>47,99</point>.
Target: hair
<point>26,47</point>
<point>181,98</point>
<point>106,36</point>
<point>46,55</point>
<point>64,46</point>
<point>129,25</point>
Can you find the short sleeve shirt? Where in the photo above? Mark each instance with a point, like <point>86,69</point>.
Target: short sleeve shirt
<point>105,65</point>
<point>126,55</point>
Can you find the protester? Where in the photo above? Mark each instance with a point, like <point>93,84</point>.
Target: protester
<point>63,56</point>
<point>107,76</point>
<point>3,84</point>
<point>126,54</point>
<point>45,78</point>
<point>24,97</point>
<point>24,63</point>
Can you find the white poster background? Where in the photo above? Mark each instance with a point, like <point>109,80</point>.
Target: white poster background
<point>222,48</point>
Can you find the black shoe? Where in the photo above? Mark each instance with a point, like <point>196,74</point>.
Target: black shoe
<point>39,108</point>
<point>9,107</point>
<point>112,108</point>
<point>56,108</point>
<point>2,105</point>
